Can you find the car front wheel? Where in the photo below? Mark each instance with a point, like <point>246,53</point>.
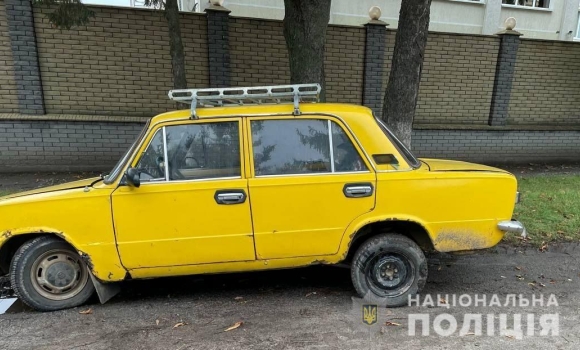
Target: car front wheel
<point>388,268</point>
<point>47,274</point>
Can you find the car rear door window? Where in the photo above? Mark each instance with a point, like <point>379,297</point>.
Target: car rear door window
<point>302,146</point>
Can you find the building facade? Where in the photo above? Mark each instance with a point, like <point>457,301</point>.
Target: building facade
<point>537,19</point>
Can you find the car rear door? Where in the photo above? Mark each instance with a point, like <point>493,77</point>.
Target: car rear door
<point>309,180</point>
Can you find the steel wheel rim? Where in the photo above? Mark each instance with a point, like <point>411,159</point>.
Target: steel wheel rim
<point>383,280</point>
<point>59,275</point>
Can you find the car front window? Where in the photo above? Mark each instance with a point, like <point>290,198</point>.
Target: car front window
<point>112,176</point>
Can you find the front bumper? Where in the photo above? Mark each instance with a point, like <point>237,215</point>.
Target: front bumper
<point>513,226</point>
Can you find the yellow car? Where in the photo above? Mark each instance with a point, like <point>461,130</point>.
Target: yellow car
<point>253,186</point>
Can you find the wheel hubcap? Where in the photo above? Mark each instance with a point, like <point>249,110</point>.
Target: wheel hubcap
<point>59,275</point>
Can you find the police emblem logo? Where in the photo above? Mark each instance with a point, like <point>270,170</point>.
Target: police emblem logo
<point>369,314</point>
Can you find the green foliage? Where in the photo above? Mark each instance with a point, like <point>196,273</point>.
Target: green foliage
<point>550,208</point>
<point>67,13</point>
<point>157,4</point>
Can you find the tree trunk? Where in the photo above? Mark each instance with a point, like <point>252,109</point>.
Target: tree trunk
<point>175,44</point>
<point>403,86</point>
<point>305,23</point>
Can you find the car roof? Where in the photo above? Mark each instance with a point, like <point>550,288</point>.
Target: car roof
<point>343,110</point>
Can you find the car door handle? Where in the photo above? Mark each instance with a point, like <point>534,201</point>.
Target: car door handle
<point>230,196</point>
<point>358,190</point>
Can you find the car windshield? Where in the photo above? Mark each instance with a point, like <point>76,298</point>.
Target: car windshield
<point>112,176</point>
<point>404,151</point>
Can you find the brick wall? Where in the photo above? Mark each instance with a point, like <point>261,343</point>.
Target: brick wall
<point>119,64</point>
<point>8,93</point>
<point>258,54</point>
<point>62,146</point>
<point>344,64</point>
<point>457,81</point>
<point>546,85</point>
<point>259,57</point>
<point>501,146</point>
<point>84,146</point>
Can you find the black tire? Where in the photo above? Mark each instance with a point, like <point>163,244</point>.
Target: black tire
<point>388,268</point>
<point>37,253</point>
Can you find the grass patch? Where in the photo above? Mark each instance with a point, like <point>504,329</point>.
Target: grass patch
<point>4,193</point>
<point>550,208</point>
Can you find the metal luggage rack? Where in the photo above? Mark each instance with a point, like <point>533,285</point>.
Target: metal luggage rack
<point>219,97</point>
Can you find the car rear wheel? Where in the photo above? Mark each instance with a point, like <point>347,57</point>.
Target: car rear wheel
<point>47,274</point>
<point>388,268</point>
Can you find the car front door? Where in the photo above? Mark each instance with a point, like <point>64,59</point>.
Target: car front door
<point>192,206</point>
<point>309,182</point>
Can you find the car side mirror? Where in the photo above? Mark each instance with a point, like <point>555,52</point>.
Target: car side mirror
<point>133,177</point>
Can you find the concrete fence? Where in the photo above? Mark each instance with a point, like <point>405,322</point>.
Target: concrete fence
<point>74,99</point>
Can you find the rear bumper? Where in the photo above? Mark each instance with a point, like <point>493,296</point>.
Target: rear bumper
<point>513,226</point>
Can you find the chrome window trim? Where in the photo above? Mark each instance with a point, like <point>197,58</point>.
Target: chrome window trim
<point>331,145</point>
<point>165,160</point>
<point>192,180</point>
<point>315,174</point>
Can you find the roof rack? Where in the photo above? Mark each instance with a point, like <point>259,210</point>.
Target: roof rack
<point>218,97</point>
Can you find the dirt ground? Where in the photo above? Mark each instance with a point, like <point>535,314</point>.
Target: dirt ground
<point>308,308</point>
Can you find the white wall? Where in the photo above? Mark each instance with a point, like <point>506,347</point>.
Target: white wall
<point>459,16</point>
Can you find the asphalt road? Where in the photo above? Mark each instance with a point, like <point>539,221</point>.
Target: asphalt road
<point>311,309</point>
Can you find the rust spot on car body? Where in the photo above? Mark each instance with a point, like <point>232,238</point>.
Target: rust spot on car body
<point>456,240</point>
<point>6,234</point>
<point>87,259</point>
<point>320,262</point>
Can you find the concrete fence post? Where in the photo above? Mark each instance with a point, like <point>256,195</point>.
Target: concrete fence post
<point>25,55</point>
<point>219,46</point>
<point>504,73</point>
<point>376,35</point>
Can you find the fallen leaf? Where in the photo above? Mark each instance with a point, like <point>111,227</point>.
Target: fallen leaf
<point>552,281</point>
<point>236,325</point>
<point>179,324</point>
<point>157,322</point>
<point>86,312</point>
<point>470,333</point>
<point>541,284</point>
<point>442,301</point>
<point>239,298</point>
<point>520,277</point>
<point>518,268</point>
<point>502,276</point>
<point>510,336</point>
<point>569,280</point>
<point>532,284</point>
<point>389,323</point>
<point>439,268</point>
<point>544,246</point>
<point>311,293</point>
